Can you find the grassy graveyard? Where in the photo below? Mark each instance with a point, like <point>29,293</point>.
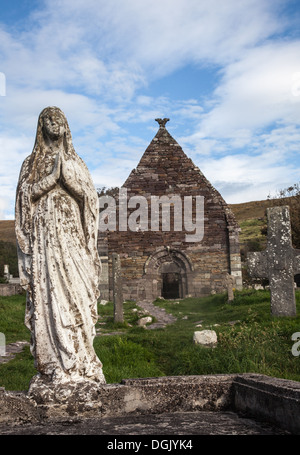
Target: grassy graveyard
<point>249,340</point>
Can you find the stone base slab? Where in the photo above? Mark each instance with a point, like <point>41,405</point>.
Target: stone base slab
<point>272,400</point>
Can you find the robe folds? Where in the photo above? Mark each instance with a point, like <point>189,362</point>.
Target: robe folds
<point>59,267</point>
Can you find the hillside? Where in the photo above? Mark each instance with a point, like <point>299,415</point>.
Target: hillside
<point>7,231</point>
<point>250,216</point>
<point>249,210</point>
<point>256,209</point>
<point>8,248</point>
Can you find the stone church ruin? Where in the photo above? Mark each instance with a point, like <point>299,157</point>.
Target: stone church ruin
<point>183,239</point>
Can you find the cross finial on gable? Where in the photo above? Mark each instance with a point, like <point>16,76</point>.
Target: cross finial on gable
<point>162,122</point>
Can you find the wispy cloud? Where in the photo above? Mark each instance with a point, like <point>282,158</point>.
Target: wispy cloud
<point>99,62</point>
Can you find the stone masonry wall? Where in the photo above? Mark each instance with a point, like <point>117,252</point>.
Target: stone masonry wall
<point>165,170</point>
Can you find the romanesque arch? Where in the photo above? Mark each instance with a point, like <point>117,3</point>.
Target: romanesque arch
<point>167,273</point>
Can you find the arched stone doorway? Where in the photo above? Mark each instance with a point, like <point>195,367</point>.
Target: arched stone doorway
<point>171,278</point>
<point>167,274</point>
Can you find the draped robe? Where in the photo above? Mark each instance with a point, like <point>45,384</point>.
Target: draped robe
<point>59,266</point>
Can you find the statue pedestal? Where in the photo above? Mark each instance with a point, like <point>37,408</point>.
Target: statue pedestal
<point>69,396</point>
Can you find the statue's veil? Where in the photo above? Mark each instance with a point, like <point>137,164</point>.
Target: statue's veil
<point>30,174</point>
<point>41,147</point>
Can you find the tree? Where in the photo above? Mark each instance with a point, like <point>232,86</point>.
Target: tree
<point>104,191</point>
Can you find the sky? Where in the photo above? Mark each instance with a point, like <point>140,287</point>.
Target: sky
<point>225,72</point>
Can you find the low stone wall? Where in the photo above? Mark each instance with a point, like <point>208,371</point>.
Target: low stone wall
<point>8,289</point>
<point>131,396</point>
<point>273,400</point>
<point>260,397</point>
<point>169,394</point>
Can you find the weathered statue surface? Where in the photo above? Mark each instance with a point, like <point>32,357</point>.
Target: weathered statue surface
<point>56,228</point>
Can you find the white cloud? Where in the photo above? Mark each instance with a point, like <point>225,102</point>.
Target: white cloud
<point>13,152</point>
<point>121,44</point>
<point>243,177</point>
<point>255,91</point>
<point>96,60</point>
<point>3,208</point>
<point>163,35</point>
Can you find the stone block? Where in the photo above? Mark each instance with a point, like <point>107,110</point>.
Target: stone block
<point>207,338</point>
<point>144,321</point>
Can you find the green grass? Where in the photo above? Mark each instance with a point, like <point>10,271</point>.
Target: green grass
<point>251,230</point>
<point>124,358</point>
<point>249,340</point>
<point>12,312</point>
<point>16,374</point>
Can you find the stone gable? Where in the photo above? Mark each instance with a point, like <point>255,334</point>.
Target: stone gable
<point>163,263</point>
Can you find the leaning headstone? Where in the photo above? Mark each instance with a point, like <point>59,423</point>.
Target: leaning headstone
<point>6,272</point>
<point>2,344</point>
<point>117,288</point>
<point>278,263</point>
<point>230,280</point>
<point>56,229</point>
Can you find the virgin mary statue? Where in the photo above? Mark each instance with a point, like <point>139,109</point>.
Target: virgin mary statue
<point>56,229</point>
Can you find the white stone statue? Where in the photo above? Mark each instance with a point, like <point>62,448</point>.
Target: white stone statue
<point>56,228</point>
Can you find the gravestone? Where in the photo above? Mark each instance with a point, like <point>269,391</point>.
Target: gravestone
<point>2,344</point>
<point>230,287</point>
<point>56,228</point>
<point>117,288</point>
<point>6,272</point>
<point>278,263</point>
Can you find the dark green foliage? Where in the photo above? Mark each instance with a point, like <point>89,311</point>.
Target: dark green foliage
<point>12,313</point>
<point>8,255</point>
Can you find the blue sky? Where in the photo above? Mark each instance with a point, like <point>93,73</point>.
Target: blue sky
<point>226,73</point>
